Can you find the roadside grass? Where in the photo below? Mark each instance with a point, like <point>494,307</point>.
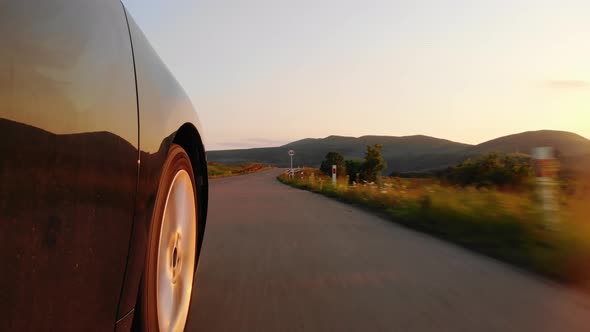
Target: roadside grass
<point>506,225</point>
<point>218,170</point>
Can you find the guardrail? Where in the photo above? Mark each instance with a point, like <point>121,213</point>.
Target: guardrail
<point>293,171</point>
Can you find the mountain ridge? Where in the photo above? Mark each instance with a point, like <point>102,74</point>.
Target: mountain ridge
<point>410,153</point>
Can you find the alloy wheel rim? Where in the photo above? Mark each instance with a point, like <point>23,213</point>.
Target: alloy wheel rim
<point>176,254</point>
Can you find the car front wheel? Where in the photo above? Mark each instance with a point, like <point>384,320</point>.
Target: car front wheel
<point>172,246</point>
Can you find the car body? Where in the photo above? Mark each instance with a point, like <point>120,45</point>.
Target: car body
<point>88,112</point>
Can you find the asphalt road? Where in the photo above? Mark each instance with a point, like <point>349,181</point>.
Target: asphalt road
<point>281,259</point>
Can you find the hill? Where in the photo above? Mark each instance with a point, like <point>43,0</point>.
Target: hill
<point>404,153</point>
<point>566,143</point>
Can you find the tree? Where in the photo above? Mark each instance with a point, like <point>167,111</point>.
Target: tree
<point>354,167</point>
<point>373,164</point>
<point>333,158</point>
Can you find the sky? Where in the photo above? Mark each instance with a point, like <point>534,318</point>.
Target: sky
<point>267,72</point>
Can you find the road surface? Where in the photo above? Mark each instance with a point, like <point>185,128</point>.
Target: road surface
<point>282,259</point>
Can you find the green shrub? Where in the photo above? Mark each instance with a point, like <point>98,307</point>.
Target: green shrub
<point>373,164</point>
<point>333,158</point>
<point>491,170</point>
<point>354,169</point>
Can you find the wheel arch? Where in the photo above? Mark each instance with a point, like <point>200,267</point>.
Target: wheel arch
<point>188,137</point>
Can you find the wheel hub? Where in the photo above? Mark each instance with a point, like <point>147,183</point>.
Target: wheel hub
<point>176,254</point>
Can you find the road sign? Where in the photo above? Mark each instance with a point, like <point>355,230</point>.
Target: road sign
<point>291,153</point>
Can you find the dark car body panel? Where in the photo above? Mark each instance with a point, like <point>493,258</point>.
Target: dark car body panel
<point>164,109</point>
<point>81,151</point>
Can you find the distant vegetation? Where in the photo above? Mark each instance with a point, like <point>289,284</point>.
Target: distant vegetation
<point>217,170</point>
<point>474,208</point>
<point>368,169</point>
<point>373,163</point>
<point>492,170</point>
<point>354,168</point>
<point>333,158</point>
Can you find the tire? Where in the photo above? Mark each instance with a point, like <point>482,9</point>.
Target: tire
<point>171,258</point>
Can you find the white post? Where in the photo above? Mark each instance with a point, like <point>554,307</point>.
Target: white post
<point>334,174</point>
<point>291,173</point>
<point>545,170</point>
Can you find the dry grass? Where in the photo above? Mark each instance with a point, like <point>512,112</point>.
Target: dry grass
<point>217,170</point>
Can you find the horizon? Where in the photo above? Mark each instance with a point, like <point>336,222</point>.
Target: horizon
<point>349,136</point>
<point>269,72</point>
<point>441,138</point>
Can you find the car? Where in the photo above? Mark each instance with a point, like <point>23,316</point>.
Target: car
<point>103,175</point>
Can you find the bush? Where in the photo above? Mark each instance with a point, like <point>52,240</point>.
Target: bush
<point>373,164</point>
<point>333,158</point>
<point>353,169</point>
<point>491,170</point>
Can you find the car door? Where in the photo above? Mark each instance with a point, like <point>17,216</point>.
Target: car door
<point>68,162</point>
